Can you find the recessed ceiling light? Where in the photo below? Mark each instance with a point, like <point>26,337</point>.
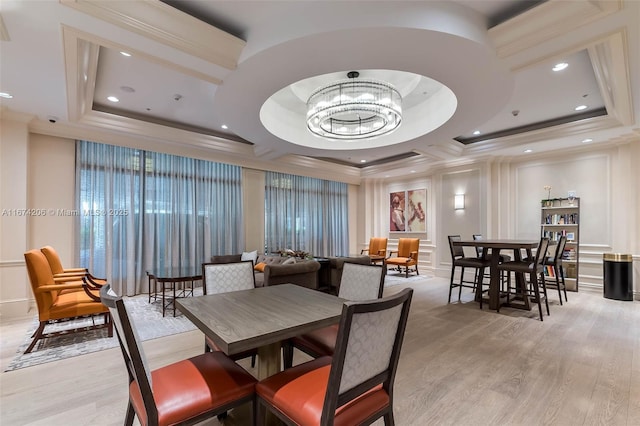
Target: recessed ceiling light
<point>363,161</point>
<point>560,66</point>
<point>113,99</point>
<point>127,54</point>
<point>6,95</point>
<point>527,151</point>
<point>224,126</point>
<point>581,107</point>
<point>587,140</point>
<point>413,171</point>
<point>477,132</point>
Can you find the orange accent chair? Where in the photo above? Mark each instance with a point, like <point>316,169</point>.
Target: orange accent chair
<point>60,274</point>
<point>377,249</point>
<point>60,301</point>
<point>353,387</point>
<point>407,255</point>
<point>185,392</point>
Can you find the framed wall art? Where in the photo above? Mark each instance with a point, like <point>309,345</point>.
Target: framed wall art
<point>397,205</point>
<point>416,206</point>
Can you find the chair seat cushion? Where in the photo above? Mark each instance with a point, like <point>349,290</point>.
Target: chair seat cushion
<point>525,266</point>
<point>205,382</point>
<point>320,342</point>
<point>471,262</point>
<point>74,304</point>
<point>404,261</point>
<point>299,393</point>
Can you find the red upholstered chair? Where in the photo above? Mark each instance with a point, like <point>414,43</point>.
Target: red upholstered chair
<point>356,385</point>
<point>61,274</point>
<point>406,255</point>
<point>222,278</point>
<point>60,301</point>
<point>358,283</point>
<point>185,392</point>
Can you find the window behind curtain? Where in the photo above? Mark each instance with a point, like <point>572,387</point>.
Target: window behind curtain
<point>143,210</point>
<point>303,213</point>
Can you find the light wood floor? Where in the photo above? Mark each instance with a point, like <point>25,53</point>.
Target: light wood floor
<point>459,366</point>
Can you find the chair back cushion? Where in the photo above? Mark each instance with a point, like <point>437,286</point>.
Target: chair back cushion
<point>54,260</point>
<point>408,245</point>
<point>225,277</point>
<point>361,282</point>
<point>456,251</point>
<point>541,252</point>
<point>132,350</point>
<point>560,248</point>
<point>40,275</point>
<point>367,349</point>
<point>378,246</point>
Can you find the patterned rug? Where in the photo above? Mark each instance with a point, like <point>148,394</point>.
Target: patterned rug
<point>395,278</point>
<point>147,318</point>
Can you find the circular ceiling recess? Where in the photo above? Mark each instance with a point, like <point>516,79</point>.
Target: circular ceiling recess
<point>426,105</point>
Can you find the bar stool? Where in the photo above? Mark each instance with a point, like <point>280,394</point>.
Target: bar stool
<point>533,267</point>
<point>458,259</point>
<point>556,263</point>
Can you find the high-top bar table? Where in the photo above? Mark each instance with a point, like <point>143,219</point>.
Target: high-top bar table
<point>495,246</point>
<point>261,318</point>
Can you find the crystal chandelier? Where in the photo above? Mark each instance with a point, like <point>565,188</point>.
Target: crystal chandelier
<point>354,109</point>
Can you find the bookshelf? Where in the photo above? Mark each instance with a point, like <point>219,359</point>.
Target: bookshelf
<point>561,216</point>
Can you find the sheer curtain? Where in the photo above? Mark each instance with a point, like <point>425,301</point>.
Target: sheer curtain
<point>143,210</point>
<point>307,214</point>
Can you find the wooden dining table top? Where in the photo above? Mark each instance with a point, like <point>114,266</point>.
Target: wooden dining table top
<point>242,320</point>
<point>498,243</point>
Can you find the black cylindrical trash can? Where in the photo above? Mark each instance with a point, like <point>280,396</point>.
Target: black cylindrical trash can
<point>618,276</point>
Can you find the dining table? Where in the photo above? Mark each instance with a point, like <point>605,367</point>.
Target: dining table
<point>261,318</point>
<point>494,247</point>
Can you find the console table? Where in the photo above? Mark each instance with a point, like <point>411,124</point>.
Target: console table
<point>179,281</point>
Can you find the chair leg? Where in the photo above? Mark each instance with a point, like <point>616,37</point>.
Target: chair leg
<point>544,290</point>
<point>287,354</point>
<point>564,285</point>
<point>453,269</point>
<point>555,270</point>
<point>388,417</point>
<point>461,282</point>
<point>128,420</point>
<point>534,282</point>
<point>253,361</point>
<point>36,336</point>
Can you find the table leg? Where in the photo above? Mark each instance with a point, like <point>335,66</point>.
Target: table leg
<point>269,360</point>
<point>494,285</point>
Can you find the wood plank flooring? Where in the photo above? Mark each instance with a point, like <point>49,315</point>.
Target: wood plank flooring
<point>459,366</point>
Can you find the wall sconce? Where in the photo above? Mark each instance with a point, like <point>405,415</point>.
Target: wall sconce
<point>458,202</point>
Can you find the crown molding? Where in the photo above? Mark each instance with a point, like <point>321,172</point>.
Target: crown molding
<point>169,26</point>
<point>547,21</point>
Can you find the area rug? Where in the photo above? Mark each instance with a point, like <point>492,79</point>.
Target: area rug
<point>394,278</point>
<point>146,316</point>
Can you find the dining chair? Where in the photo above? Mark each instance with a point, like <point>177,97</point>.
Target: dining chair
<point>355,386</point>
<point>222,278</point>
<point>61,301</point>
<point>534,266</point>
<point>460,260</point>
<point>555,262</point>
<point>61,274</point>
<point>359,282</point>
<point>185,392</point>
<point>406,255</point>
